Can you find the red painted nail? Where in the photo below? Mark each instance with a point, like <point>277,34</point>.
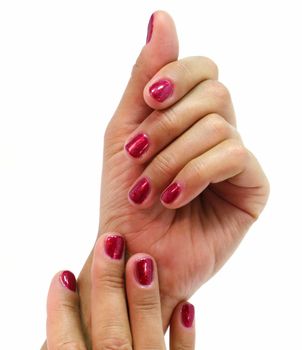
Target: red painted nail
<point>144,271</point>
<point>187,315</point>
<point>150,29</point>
<point>138,145</point>
<point>68,280</point>
<point>171,193</point>
<point>161,90</point>
<point>140,191</point>
<point>114,247</point>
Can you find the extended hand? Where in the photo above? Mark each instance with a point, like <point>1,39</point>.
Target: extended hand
<point>178,134</point>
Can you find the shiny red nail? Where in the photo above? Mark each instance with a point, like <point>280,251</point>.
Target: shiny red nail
<point>68,280</point>
<point>161,90</point>
<point>140,191</point>
<point>150,29</point>
<point>114,247</point>
<point>171,193</point>
<point>138,145</point>
<point>187,315</point>
<point>144,271</point>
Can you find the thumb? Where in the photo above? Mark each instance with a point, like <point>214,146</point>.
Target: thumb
<point>161,48</point>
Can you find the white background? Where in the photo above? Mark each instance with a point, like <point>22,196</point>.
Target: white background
<point>63,68</point>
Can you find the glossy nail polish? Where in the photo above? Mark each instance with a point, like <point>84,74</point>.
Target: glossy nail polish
<point>140,191</point>
<point>144,271</point>
<point>138,145</point>
<point>150,29</point>
<point>68,280</point>
<point>161,90</point>
<point>114,247</point>
<point>171,193</point>
<point>187,315</point>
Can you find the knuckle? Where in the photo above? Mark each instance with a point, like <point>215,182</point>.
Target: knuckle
<point>183,66</point>
<point>212,66</point>
<point>139,70</point>
<point>147,304</point>
<point>69,306</point>
<point>238,151</point>
<point>197,168</point>
<point>168,122</point>
<point>70,345</point>
<point>219,91</point>
<point>111,281</point>
<point>113,344</point>
<point>184,346</point>
<point>219,126</point>
<point>164,164</point>
<point>109,278</point>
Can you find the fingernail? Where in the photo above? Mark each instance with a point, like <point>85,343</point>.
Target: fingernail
<point>114,247</point>
<point>138,145</point>
<point>68,280</point>
<point>150,29</point>
<point>187,315</point>
<point>161,90</point>
<point>140,191</point>
<point>144,271</point>
<point>171,193</point>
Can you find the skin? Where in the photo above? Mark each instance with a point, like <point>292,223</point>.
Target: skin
<point>193,140</point>
<point>141,329</point>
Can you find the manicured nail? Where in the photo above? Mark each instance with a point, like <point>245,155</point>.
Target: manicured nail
<point>161,90</point>
<point>171,193</point>
<point>138,145</point>
<point>114,247</point>
<point>68,280</point>
<point>140,191</point>
<point>144,271</point>
<point>150,29</point>
<point>187,315</point>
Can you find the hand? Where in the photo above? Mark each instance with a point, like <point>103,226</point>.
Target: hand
<point>219,189</point>
<point>111,327</point>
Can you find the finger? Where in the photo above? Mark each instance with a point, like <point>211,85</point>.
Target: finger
<point>162,127</point>
<point>229,160</point>
<point>110,325</point>
<point>63,316</point>
<point>144,303</point>
<point>182,327</point>
<point>161,49</point>
<point>202,136</point>
<point>176,79</point>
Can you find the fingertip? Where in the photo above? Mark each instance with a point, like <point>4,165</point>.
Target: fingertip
<point>141,270</point>
<point>108,255</point>
<point>63,314</point>
<point>161,30</point>
<point>182,326</point>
